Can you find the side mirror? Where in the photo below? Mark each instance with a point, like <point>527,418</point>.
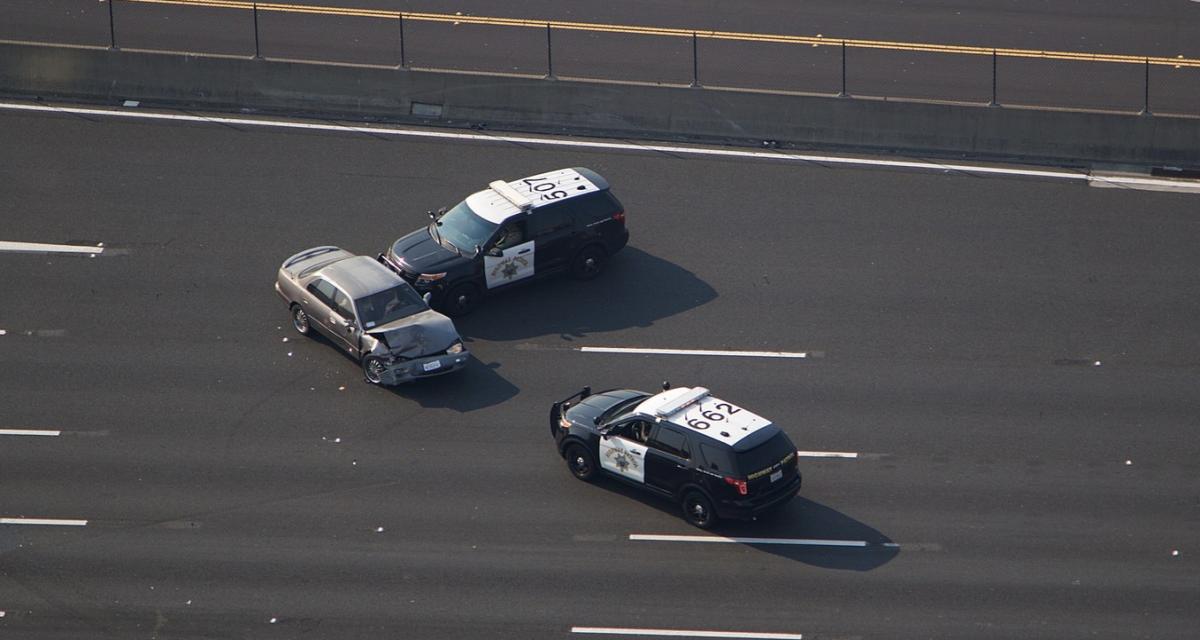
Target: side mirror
<point>666,385</point>
<point>431,215</point>
<point>478,249</point>
<point>427,297</point>
<point>349,329</point>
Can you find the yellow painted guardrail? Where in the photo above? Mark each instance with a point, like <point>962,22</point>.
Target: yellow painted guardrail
<point>816,41</point>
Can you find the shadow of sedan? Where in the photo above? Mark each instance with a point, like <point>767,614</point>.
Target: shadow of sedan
<point>477,386</point>
<point>629,293</point>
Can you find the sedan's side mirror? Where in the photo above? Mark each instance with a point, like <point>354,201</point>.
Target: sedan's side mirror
<point>427,297</point>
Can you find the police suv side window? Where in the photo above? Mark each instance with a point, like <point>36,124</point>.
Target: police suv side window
<point>548,220</point>
<point>670,441</point>
<point>323,290</point>
<point>716,459</point>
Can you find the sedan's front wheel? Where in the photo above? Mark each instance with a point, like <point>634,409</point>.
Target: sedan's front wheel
<point>300,320</point>
<point>373,369</point>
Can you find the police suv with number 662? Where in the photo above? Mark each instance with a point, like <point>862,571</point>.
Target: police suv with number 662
<point>715,459</point>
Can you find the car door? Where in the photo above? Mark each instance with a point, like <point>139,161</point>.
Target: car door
<point>552,230</point>
<point>318,305</point>
<point>343,322</point>
<point>622,455</point>
<point>667,458</point>
<point>510,258</point>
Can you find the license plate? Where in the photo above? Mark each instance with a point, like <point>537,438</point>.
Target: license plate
<point>431,366</point>
<point>778,475</point>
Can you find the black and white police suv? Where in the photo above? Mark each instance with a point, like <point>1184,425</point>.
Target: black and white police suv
<point>512,232</point>
<point>715,459</point>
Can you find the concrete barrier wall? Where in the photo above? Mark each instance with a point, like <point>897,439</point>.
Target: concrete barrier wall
<point>526,104</point>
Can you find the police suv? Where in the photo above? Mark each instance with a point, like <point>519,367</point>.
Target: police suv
<point>715,459</point>
<point>512,232</point>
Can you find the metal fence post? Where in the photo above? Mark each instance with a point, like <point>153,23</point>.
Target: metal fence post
<point>257,51</point>
<point>842,93</point>
<point>402,40</point>
<point>1146,104</point>
<point>549,55</point>
<point>112,29</point>
<point>993,102</point>
<point>695,63</point>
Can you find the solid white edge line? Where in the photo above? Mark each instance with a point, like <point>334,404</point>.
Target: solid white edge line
<point>827,454</point>
<point>734,153</point>
<point>684,633</point>
<point>697,352</point>
<point>645,537</point>
<point>29,432</point>
<point>45,521</point>
<point>39,247</point>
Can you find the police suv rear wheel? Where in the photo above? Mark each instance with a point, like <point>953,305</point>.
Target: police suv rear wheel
<point>581,463</point>
<point>588,263</point>
<point>698,510</point>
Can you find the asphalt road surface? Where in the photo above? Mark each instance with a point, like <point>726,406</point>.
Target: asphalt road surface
<point>1162,28</point>
<point>1013,360</point>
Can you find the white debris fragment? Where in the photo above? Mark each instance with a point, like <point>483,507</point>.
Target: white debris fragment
<point>273,620</point>
<point>354,463</point>
<point>289,354</point>
<point>285,339</point>
<point>2,332</point>
<point>1128,462</point>
<point>341,388</point>
<point>131,103</point>
<point>1,614</point>
<point>378,529</point>
<point>278,327</point>
<point>189,601</point>
<point>1174,552</point>
<point>1096,363</point>
<point>337,439</point>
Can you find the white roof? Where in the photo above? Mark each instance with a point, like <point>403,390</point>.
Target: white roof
<point>696,409</point>
<point>501,201</point>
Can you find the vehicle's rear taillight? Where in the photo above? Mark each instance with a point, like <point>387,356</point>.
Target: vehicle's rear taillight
<point>742,487</point>
<point>619,217</point>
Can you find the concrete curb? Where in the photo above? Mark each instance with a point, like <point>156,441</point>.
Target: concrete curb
<point>595,108</point>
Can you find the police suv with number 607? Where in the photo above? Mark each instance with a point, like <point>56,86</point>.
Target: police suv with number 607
<point>715,459</point>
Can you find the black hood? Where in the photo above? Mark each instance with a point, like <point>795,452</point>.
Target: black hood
<point>587,410</point>
<point>420,253</point>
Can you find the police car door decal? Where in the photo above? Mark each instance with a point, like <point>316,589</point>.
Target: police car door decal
<point>623,457</point>
<point>513,264</point>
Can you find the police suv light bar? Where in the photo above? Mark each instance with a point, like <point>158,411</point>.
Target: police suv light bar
<point>692,395</point>
<point>512,195</point>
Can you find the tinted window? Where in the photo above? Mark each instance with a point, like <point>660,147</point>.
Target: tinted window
<point>670,441</point>
<point>388,305</point>
<point>765,454</point>
<point>323,290</point>
<point>716,459</point>
<point>592,208</point>
<point>548,220</point>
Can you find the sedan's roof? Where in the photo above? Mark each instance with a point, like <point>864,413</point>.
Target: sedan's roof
<point>360,276</point>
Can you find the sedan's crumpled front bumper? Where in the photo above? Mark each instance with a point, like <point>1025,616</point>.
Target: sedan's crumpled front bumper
<point>426,367</point>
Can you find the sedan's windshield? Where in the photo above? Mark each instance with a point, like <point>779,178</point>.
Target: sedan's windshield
<point>388,305</point>
<point>463,229</point>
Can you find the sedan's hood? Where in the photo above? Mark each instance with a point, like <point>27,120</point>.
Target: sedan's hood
<point>420,334</point>
<point>422,254</point>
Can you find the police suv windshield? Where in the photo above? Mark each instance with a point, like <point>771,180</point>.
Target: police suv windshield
<point>388,305</point>
<point>462,229</point>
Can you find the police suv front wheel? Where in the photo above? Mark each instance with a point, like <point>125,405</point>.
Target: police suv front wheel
<point>580,462</point>
<point>698,510</point>
<point>588,263</point>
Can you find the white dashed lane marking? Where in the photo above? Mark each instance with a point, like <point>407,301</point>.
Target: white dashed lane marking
<point>808,542</point>
<point>827,454</point>
<point>684,633</point>
<point>696,352</point>
<point>38,247</point>
<point>29,432</point>
<point>48,522</point>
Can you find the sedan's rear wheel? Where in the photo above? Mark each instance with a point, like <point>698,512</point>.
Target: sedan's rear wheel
<point>300,320</point>
<point>373,369</point>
